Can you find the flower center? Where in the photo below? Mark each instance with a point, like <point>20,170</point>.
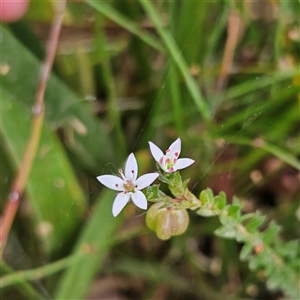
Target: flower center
<point>170,159</point>
<point>129,186</point>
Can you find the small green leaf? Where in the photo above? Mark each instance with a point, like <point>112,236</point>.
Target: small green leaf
<point>256,221</point>
<point>274,280</point>
<point>227,232</point>
<point>246,250</point>
<point>240,236</point>
<point>231,215</point>
<point>290,249</point>
<point>255,262</point>
<point>234,211</point>
<point>236,202</point>
<point>185,183</point>
<point>166,177</point>
<point>220,200</point>
<point>153,193</point>
<point>207,196</point>
<point>206,212</point>
<point>210,195</point>
<point>271,232</point>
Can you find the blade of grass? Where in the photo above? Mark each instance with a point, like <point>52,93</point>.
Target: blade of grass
<point>174,80</point>
<point>63,105</point>
<point>108,80</point>
<point>276,151</point>
<point>61,206</point>
<point>178,59</point>
<point>190,23</point>
<point>267,106</point>
<point>253,85</point>
<point>97,235</point>
<point>216,33</point>
<point>85,72</point>
<point>112,14</point>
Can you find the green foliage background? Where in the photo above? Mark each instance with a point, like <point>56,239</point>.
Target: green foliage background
<point>127,72</point>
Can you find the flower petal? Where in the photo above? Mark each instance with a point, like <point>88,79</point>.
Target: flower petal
<point>145,180</point>
<point>120,201</point>
<point>139,199</point>
<point>156,152</point>
<point>112,182</point>
<point>182,163</point>
<point>131,168</point>
<point>175,148</point>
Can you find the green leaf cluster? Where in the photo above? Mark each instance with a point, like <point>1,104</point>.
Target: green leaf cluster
<point>263,249</point>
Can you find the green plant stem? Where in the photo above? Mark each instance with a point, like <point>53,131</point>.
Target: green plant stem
<point>36,274</point>
<point>178,59</point>
<point>112,14</point>
<point>21,178</point>
<point>24,287</point>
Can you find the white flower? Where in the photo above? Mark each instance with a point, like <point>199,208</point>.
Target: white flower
<point>129,186</point>
<point>170,162</point>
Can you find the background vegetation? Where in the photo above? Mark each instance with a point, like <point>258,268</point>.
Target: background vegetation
<point>223,76</point>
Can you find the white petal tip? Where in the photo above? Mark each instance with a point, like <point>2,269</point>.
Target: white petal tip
<point>155,151</point>
<point>183,163</point>
<point>144,207</point>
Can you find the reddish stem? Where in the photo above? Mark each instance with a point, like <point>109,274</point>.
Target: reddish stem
<point>21,178</point>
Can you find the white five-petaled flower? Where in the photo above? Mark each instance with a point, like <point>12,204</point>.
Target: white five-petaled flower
<point>170,162</point>
<point>129,186</point>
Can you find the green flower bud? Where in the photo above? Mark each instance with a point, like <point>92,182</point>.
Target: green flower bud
<point>167,221</point>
